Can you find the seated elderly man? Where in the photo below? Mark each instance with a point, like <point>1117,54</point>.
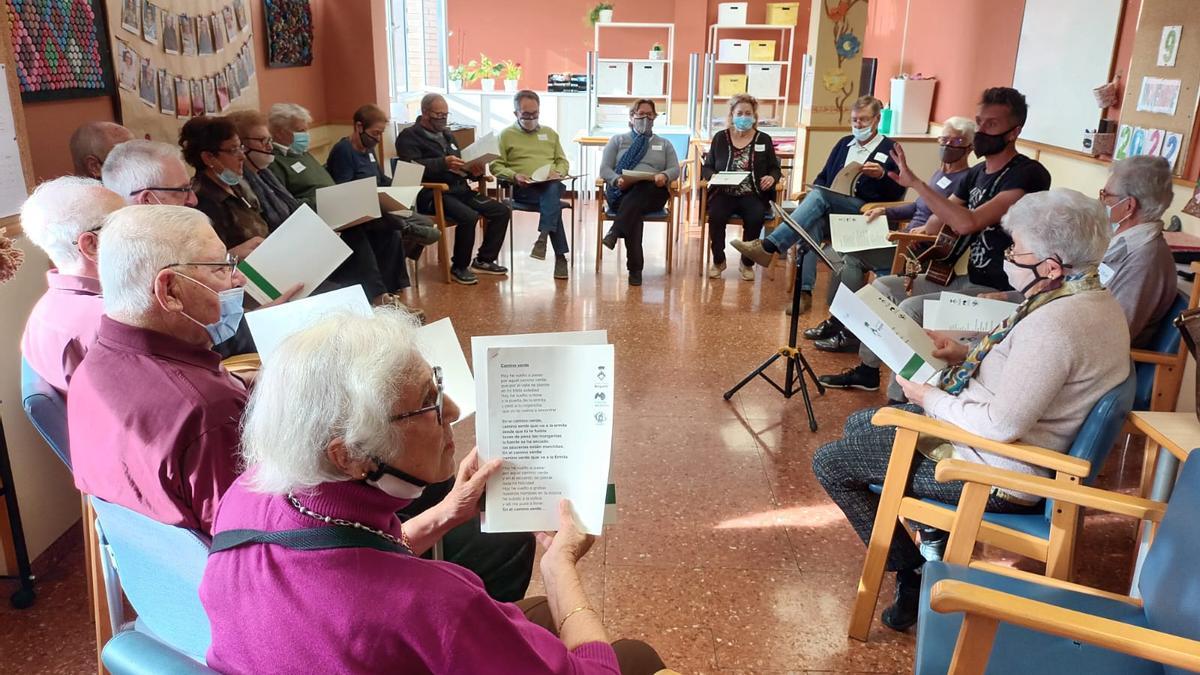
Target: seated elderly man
<point>149,172</point>
<point>1138,268</point>
<point>91,143</point>
<point>63,217</point>
<point>369,604</point>
<point>525,147</point>
<point>1031,380</point>
<point>152,415</point>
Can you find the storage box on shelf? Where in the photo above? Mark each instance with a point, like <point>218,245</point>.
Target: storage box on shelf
<point>729,85</point>
<point>647,79</point>
<point>734,51</point>
<point>762,50</point>
<point>763,81</point>
<point>732,13</point>
<point>612,78</point>
<point>783,13</point>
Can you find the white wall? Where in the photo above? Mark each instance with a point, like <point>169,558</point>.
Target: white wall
<point>45,492</point>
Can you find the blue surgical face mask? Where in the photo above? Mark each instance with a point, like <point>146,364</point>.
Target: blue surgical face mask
<point>231,312</point>
<point>300,142</point>
<point>229,177</point>
<point>863,134</point>
<point>1109,209</point>
<point>743,122</point>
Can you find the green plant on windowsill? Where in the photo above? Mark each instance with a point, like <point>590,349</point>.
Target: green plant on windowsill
<point>488,69</point>
<point>594,15</point>
<point>511,70</point>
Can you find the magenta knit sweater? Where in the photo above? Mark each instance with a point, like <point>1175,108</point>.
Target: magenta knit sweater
<point>276,610</point>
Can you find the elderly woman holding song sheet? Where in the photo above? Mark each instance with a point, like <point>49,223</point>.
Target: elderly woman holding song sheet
<point>311,569</point>
<point>1033,379</point>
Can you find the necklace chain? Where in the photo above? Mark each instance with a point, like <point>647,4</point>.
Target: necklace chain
<point>402,540</point>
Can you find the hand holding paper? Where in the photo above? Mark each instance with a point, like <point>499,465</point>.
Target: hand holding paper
<point>348,204</point>
<point>850,233</point>
<point>303,250</point>
<point>485,149</point>
<point>728,178</point>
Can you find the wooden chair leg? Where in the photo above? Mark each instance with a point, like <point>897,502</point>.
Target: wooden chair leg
<point>89,545</point>
<point>443,246</point>
<point>99,594</point>
<point>974,645</point>
<point>1064,525</point>
<point>599,230</point>
<point>967,519</point>
<point>703,222</point>
<point>886,519</point>
<point>671,215</point>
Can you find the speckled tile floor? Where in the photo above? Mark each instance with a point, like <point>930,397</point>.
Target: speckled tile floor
<point>727,556</point>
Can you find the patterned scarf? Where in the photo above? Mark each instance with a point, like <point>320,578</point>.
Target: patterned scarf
<point>954,379</point>
<point>632,157</point>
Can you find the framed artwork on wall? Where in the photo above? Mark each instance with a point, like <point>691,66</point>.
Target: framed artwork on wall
<point>61,49</point>
<point>289,33</point>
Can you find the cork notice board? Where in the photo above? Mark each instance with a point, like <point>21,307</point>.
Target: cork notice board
<point>16,169</point>
<point>1154,16</point>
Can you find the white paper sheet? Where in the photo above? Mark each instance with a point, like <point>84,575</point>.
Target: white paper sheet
<point>13,190</point>
<point>729,178</point>
<point>407,173</point>
<point>272,325</point>
<point>542,173</point>
<point>439,345</point>
<point>963,313</point>
<point>303,250</point>
<point>850,233</point>
<point>551,421</point>
<point>348,204</point>
<point>635,176</point>
<point>888,332</point>
<point>486,149</point>
<point>398,199</point>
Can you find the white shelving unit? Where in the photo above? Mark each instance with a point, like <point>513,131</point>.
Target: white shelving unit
<point>785,43</point>
<point>663,100</point>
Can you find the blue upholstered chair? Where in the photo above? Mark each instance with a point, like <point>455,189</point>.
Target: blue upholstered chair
<point>1048,536</point>
<point>134,653</point>
<point>1160,365</point>
<point>47,410</point>
<point>1006,621</point>
<point>158,568</point>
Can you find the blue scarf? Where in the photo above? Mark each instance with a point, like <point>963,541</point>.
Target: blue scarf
<point>632,157</point>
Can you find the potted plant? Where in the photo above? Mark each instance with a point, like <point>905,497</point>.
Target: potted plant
<point>470,73</point>
<point>458,75</point>
<point>512,73</point>
<point>488,70</point>
<point>601,13</point>
<point>656,52</point>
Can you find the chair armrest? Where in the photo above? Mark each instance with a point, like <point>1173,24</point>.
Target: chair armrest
<point>907,238</point>
<point>956,596</point>
<point>600,183</point>
<point>1082,495</point>
<point>1006,571</point>
<point>439,187</point>
<point>1022,452</point>
<point>881,205</point>
<point>1147,356</point>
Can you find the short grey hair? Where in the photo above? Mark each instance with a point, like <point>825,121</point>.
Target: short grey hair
<point>1061,223</point>
<point>963,125</point>
<point>428,100</point>
<point>283,115</point>
<point>96,139</point>
<point>137,243</point>
<point>137,165</point>
<point>61,210</point>
<point>1147,179</point>
<point>520,95</point>
<point>347,371</point>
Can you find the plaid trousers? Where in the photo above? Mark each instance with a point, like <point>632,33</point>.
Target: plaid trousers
<point>848,466</point>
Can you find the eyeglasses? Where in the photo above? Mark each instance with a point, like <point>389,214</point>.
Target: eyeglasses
<point>236,152</point>
<point>439,116</point>
<point>1009,254</point>
<point>441,395</point>
<point>182,189</point>
<point>1104,194</point>
<point>644,116</point>
<point>528,116</point>
<point>229,264</point>
<point>953,141</point>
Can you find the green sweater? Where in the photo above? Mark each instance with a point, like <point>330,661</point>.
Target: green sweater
<point>300,173</point>
<point>523,152</point>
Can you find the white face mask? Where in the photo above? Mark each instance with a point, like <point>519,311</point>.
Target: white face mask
<point>395,482</point>
<point>260,159</point>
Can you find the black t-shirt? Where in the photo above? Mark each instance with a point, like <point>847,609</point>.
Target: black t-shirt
<point>987,249</point>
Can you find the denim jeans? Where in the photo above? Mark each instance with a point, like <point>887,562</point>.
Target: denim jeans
<point>548,197</point>
<point>813,216</point>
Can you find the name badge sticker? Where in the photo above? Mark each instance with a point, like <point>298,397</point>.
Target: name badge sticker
<point>880,157</point>
<point>372,156</point>
<point>543,137</point>
<point>760,147</point>
<point>656,148</point>
<point>943,182</point>
<point>298,167</point>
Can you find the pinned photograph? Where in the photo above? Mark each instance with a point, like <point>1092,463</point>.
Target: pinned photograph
<point>166,92</point>
<point>183,98</point>
<point>243,17</point>
<point>231,83</point>
<point>210,96</point>
<point>150,23</point>
<point>127,61</point>
<point>222,92</point>
<point>204,39</point>
<point>248,57</point>
<point>131,16</point>
<point>148,84</point>
<point>231,30</point>
<point>170,33</point>
<point>243,79</point>
<point>197,89</point>
<point>187,35</point>
<point>218,32</point>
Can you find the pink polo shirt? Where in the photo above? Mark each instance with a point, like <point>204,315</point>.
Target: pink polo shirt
<point>62,326</point>
<point>153,423</point>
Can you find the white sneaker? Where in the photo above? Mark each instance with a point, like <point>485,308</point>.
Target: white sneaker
<point>714,270</point>
<point>747,272</point>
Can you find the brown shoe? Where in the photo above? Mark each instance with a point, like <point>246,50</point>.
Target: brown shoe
<point>754,251</point>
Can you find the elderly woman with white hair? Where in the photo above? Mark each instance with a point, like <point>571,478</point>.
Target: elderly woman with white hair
<point>346,425</point>
<point>1138,268</point>
<point>1033,379</point>
<point>294,165</point>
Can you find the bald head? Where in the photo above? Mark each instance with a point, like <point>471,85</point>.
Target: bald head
<point>91,143</point>
<point>62,217</point>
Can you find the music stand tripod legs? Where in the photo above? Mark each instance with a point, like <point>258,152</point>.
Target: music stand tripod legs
<point>797,365</point>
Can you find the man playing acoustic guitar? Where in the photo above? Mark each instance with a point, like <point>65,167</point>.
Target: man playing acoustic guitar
<point>968,220</point>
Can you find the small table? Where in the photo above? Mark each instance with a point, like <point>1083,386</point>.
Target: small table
<point>1177,433</point>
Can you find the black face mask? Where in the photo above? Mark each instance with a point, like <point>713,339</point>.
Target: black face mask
<point>991,144</point>
<point>950,154</point>
<point>368,141</point>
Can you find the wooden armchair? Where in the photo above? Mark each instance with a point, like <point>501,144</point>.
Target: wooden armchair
<point>1160,367</point>
<point>665,215</point>
<point>439,217</point>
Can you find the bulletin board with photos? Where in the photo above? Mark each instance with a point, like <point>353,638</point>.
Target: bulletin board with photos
<point>175,60</point>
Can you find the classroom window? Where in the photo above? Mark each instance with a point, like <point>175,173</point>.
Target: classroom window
<point>416,45</point>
